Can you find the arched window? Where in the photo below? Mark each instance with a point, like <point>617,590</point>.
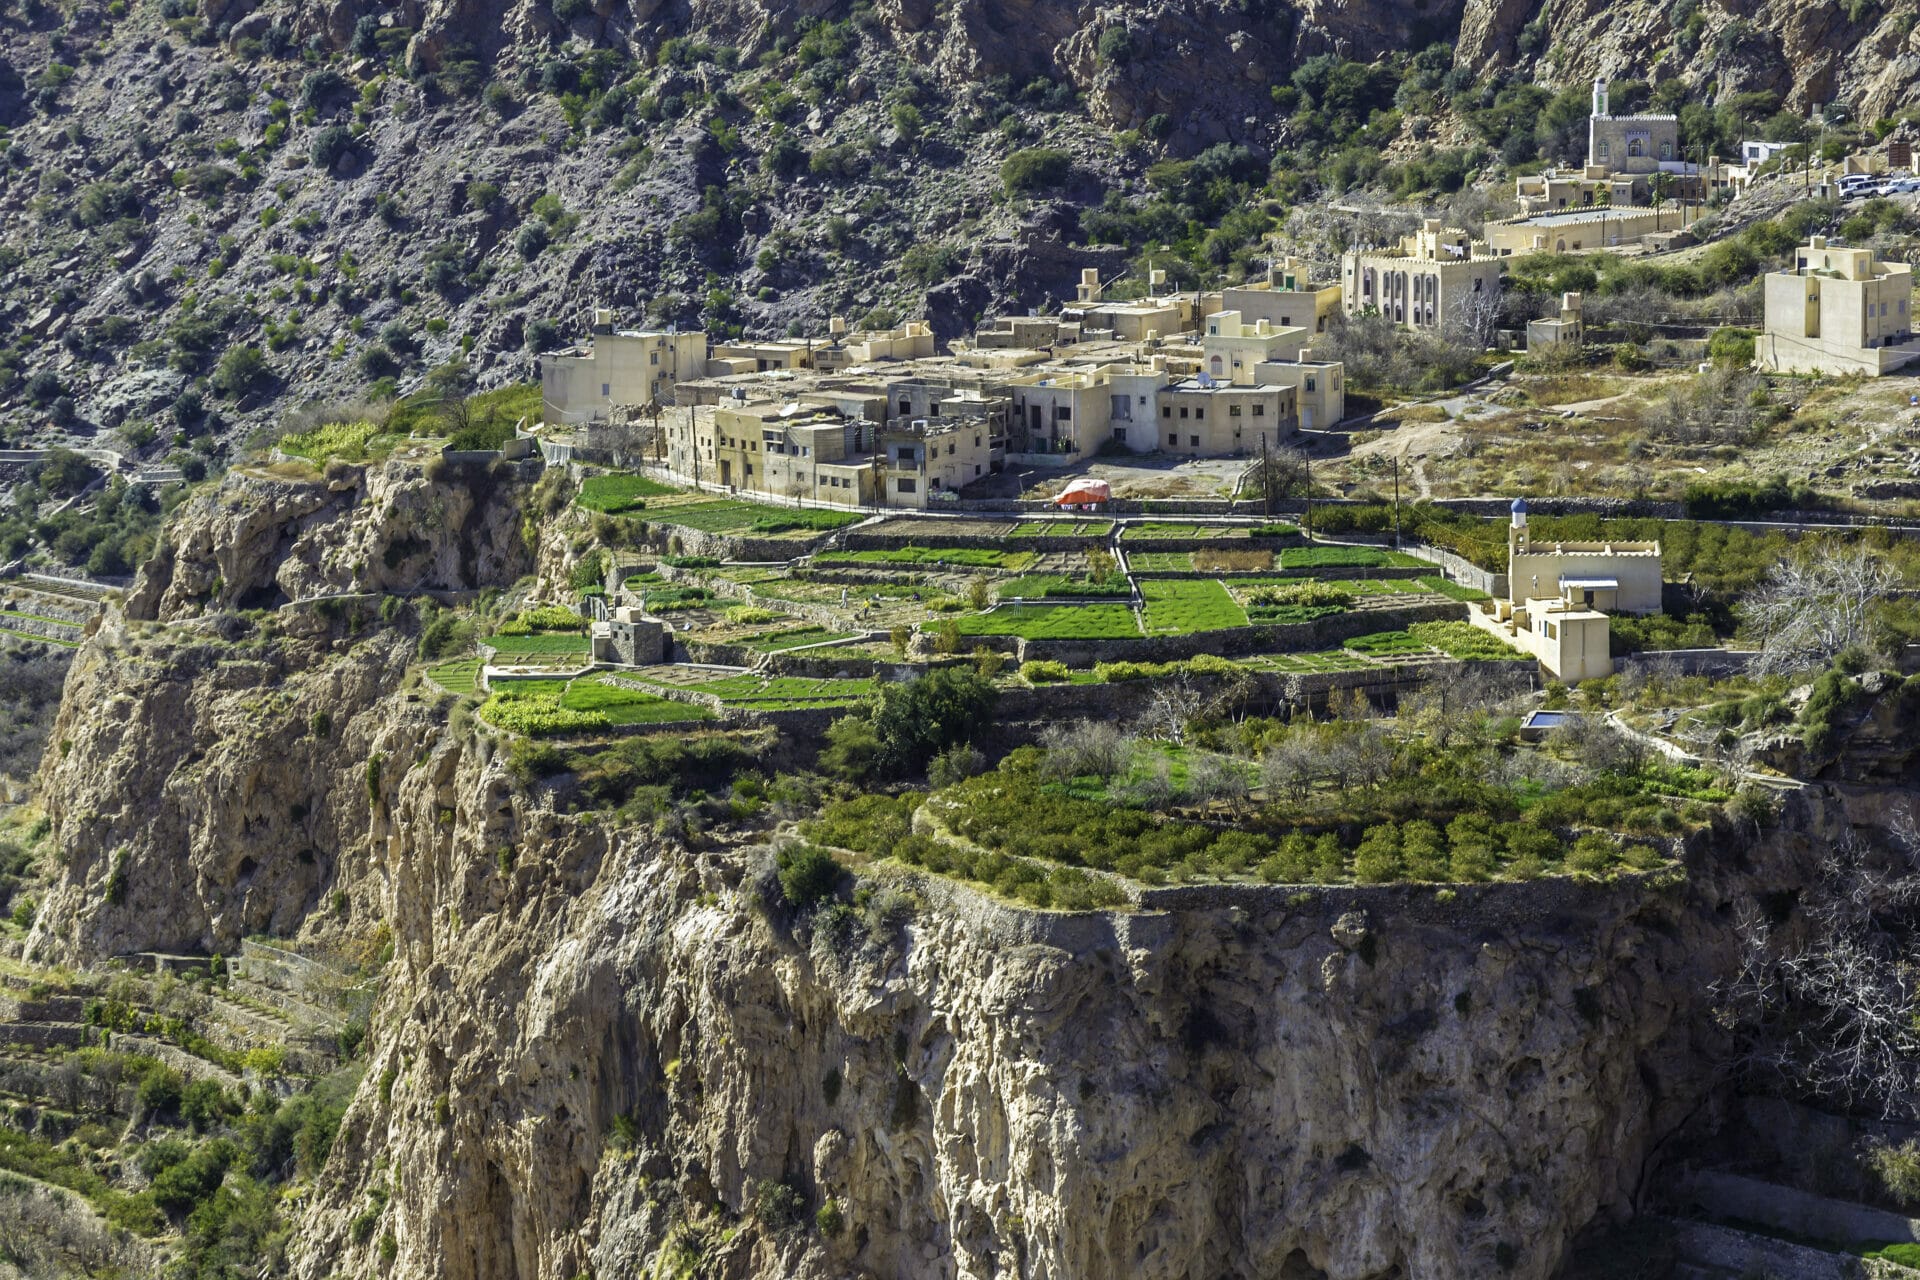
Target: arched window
<point>1666,151</point>
<point>1606,150</point>
<point>1636,149</point>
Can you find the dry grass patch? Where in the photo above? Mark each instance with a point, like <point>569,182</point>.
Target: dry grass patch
<point>1212,560</point>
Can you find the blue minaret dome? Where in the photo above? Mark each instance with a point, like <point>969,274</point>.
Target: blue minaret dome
<point>1519,507</point>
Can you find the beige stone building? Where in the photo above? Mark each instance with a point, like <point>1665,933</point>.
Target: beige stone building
<point>1601,228</point>
<point>1285,299</point>
<point>1231,346</point>
<point>1204,418</point>
<point>1560,596</point>
<point>1318,386</point>
<point>1838,311</point>
<point>1428,281</point>
<point>1565,330</point>
<point>630,367</point>
<point>1636,145</point>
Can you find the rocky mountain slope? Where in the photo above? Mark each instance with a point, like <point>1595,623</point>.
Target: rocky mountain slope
<point>355,191</point>
<point>611,1049</point>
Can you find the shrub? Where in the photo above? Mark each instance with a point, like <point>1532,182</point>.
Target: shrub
<point>1732,346</point>
<point>241,372</point>
<point>1035,169</point>
<point>778,1206</point>
<point>329,144</point>
<point>1116,45</point>
<point>1898,1170</point>
<point>808,874</point>
<point>1042,671</point>
<point>160,1092</point>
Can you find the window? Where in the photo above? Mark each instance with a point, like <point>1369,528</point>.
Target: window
<point>1172,440</point>
<point>1259,411</point>
<point>606,389</point>
<point>1199,414</point>
<point>1233,411</point>
<point>1606,150</point>
<point>905,485</point>
<point>1166,411</point>
<point>1309,382</point>
<point>976,468</point>
<point>933,410</point>
<point>976,439</point>
<point>950,448</point>
<point>1062,414</point>
<point>1286,320</point>
<point>906,406</point>
<point>1183,411</point>
<point>1143,399</point>
<point>1119,436</point>
<point>749,470</point>
<point>653,358</point>
<point>1194,441</point>
<point>1666,151</point>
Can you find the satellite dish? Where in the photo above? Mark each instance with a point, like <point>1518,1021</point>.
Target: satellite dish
<point>1206,379</point>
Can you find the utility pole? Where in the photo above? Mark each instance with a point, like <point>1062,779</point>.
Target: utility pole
<point>1306,525</point>
<point>1266,476</point>
<point>1396,502</point>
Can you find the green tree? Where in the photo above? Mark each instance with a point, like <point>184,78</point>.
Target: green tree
<point>1035,169</point>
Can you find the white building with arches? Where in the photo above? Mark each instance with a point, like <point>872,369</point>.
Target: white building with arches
<point>1428,281</point>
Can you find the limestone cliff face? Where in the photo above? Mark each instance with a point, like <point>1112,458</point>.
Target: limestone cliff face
<point>263,537</point>
<point>1349,1084</point>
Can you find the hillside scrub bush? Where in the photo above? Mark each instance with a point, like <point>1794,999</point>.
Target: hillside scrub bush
<point>808,875</point>
<point>1035,170</point>
<point>1043,671</point>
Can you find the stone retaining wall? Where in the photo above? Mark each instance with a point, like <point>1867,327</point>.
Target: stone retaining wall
<point>45,1035</point>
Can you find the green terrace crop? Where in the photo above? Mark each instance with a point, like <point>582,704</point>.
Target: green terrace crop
<point>1043,585</point>
<point>794,638</point>
<point>1179,607</point>
<point>728,515</point>
<point>615,494</point>
<point>545,708</point>
<point>1053,622</point>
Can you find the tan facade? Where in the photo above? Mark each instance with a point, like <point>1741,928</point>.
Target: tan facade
<point>1428,282</point>
<point>1629,144</point>
<point>1318,386</point>
<point>1613,577</point>
<point>1285,299</point>
<point>618,368</point>
<point>1839,311</point>
<point>1231,346</point>
<point>1201,421</point>
<point>1586,230</point>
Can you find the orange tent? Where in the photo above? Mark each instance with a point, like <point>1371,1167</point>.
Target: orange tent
<point>1084,493</point>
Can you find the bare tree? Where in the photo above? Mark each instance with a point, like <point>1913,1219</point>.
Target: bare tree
<point>1216,777</point>
<point>1811,608</point>
<point>1175,704</point>
<point>1291,767</point>
<point>1088,747</point>
<point>1476,317</point>
<point>1276,474</point>
<point>1830,1013</point>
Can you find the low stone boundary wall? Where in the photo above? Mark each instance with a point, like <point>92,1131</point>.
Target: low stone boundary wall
<point>1739,1253</point>
<point>1294,637</point>
<point>1333,572</point>
<point>1731,1196</point>
<point>61,632</point>
<point>730,546</point>
<point>45,1035</point>
<point>934,539</point>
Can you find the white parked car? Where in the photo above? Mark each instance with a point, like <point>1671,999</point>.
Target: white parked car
<point>1899,186</point>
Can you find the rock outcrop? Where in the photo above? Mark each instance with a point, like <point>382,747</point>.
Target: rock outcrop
<point>270,536</point>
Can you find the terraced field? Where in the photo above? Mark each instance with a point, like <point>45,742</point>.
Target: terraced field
<point>1053,622</point>
<point>1176,607</point>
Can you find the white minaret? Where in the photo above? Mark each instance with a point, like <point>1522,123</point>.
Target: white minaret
<point>1517,531</point>
<point>1600,97</point>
